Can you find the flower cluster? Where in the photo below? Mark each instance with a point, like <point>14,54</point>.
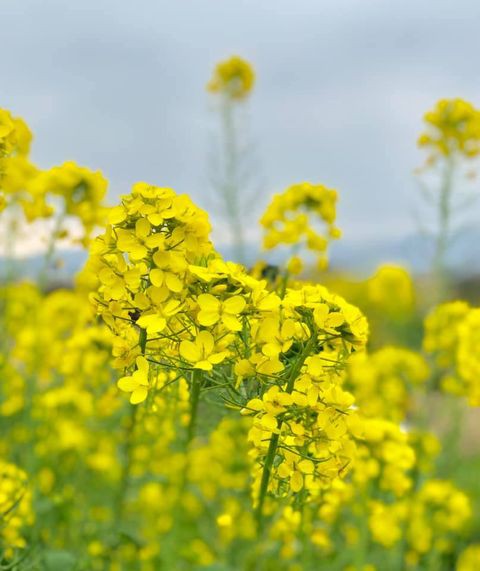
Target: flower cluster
<point>15,509</point>
<point>452,128</point>
<point>303,216</point>
<point>81,191</point>
<point>391,291</point>
<point>451,337</point>
<point>384,381</point>
<point>69,197</point>
<point>16,170</point>
<point>234,78</point>
<point>172,303</point>
<point>469,559</point>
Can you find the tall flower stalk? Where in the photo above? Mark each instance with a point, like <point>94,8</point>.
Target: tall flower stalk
<point>232,83</point>
<point>452,139</point>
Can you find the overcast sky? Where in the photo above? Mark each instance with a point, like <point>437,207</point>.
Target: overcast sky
<point>342,87</point>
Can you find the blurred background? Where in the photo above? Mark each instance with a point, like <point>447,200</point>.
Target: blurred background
<point>340,94</point>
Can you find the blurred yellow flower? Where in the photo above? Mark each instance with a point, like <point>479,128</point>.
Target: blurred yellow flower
<point>233,78</point>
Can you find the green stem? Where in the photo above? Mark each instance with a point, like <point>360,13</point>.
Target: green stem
<point>267,470</point>
<point>128,446</point>
<point>142,340</point>
<point>283,286</point>
<point>452,440</point>
<point>43,277</point>
<point>126,467</point>
<point>12,223</point>
<point>195,390</point>
<point>444,222</point>
<point>177,534</point>
<point>230,187</point>
<point>194,402</point>
<point>273,445</point>
<point>361,549</point>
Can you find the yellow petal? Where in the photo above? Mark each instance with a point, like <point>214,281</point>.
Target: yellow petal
<point>217,357</point>
<point>117,215</point>
<point>254,405</point>
<point>205,342</point>
<point>142,228</point>
<point>231,322</point>
<point>204,365</point>
<point>127,384</point>
<point>296,481</point>
<point>155,240</point>
<point>335,320</point>
<point>208,318</point>
<point>312,395</point>
<point>284,470</point>
<point>172,307</point>
<point>271,349</point>
<point>157,277</point>
<point>269,422</point>
<point>138,252</point>
<point>270,366</point>
<point>306,466</point>
<point>234,305</point>
<point>158,294</point>
<point>174,283</point>
<point>155,218</point>
<point>190,351</point>
<point>288,328</point>
<point>142,364</point>
<point>138,395</point>
<point>152,323</point>
<point>207,302</point>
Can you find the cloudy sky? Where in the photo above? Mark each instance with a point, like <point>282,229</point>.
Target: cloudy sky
<point>342,87</point>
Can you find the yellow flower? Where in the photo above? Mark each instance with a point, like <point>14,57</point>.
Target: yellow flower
<point>469,559</point>
<point>294,468</point>
<point>392,291</point>
<point>6,124</point>
<point>295,265</point>
<point>156,323</point>
<point>293,218</point>
<point>452,126</point>
<point>201,352</point>
<point>212,310</point>
<point>169,267</point>
<point>137,383</point>
<point>276,401</point>
<point>278,337</point>
<point>258,364</point>
<point>233,77</point>
<point>325,320</point>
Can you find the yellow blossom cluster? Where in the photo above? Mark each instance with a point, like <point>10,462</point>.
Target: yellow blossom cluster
<point>16,170</point>
<point>172,303</point>
<point>391,291</point>
<point>469,559</point>
<point>82,192</point>
<point>384,381</point>
<point>451,338</point>
<point>383,509</point>
<point>302,217</point>
<point>233,78</point>
<point>65,194</point>
<point>452,128</point>
<point>15,509</point>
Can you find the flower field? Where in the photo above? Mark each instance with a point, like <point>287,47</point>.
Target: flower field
<point>172,409</point>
